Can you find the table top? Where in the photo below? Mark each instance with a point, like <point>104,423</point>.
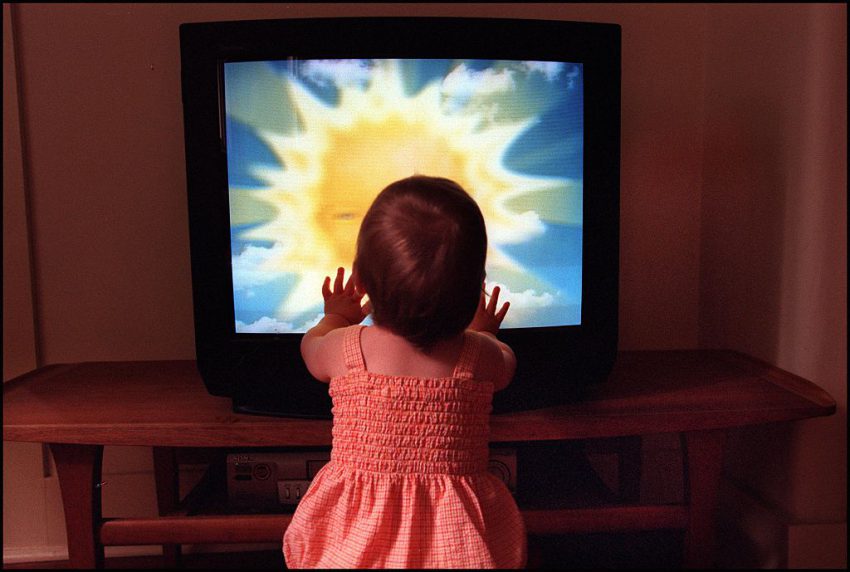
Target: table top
<point>165,403</point>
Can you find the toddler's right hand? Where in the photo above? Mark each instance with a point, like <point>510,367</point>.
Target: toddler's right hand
<point>344,301</point>
<point>487,319</point>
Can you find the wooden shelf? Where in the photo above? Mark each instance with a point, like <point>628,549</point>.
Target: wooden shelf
<point>230,528</point>
<point>569,497</point>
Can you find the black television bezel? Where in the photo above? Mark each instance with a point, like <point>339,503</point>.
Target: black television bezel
<point>264,373</point>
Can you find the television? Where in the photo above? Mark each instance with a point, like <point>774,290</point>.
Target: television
<point>292,126</point>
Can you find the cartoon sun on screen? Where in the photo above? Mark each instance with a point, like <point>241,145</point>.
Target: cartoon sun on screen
<point>310,144</point>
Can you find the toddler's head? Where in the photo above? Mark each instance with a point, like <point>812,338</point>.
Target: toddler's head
<point>420,257</point>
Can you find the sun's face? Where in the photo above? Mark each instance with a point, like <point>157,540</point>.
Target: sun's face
<point>370,154</point>
<point>337,156</point>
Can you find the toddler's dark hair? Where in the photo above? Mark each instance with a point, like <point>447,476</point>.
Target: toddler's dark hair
<point>420,257</point>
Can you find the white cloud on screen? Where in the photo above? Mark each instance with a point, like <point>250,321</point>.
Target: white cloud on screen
<point>463,82</point>
<point>339,72</point>
<point>549,69</point>
<point>571,76</point>
<point>526,306</point>
<point>247,267</point>
<point>264,325</point>
<point>525,299</point>
<point>267,325</point>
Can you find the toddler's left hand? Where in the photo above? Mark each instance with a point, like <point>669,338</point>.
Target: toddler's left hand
<point>344,301</point>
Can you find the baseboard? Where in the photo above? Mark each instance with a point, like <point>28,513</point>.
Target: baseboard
<point>21,554</point>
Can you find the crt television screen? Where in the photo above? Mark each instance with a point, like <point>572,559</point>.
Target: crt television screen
<point>311,142</point>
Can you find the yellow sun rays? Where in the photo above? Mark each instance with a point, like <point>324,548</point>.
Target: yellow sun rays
<point>342,155</point>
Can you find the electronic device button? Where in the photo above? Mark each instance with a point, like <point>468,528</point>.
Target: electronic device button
<point>262,471</point>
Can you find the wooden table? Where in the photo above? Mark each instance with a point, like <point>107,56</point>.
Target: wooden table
<point>79,408</point>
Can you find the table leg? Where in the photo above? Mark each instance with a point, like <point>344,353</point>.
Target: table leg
<point>630,467</point>
<point>703,464</point>
<point>79,468</point>
<point>167,496</point>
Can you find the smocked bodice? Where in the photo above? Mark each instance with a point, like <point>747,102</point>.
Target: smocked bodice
<point>404,424</point>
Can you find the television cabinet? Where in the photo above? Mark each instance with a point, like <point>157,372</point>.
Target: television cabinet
<point>78,408</point>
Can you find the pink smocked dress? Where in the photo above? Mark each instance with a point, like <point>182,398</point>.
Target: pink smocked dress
<point>407,485</point>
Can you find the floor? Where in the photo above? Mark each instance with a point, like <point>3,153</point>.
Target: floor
<point>217,561</point>
<point>658,550</point>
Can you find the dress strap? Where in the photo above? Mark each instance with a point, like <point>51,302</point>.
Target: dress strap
<point>468,356</point>
<point>352,351</point>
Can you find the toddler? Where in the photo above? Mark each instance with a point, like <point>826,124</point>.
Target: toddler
<point>407,485</point>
